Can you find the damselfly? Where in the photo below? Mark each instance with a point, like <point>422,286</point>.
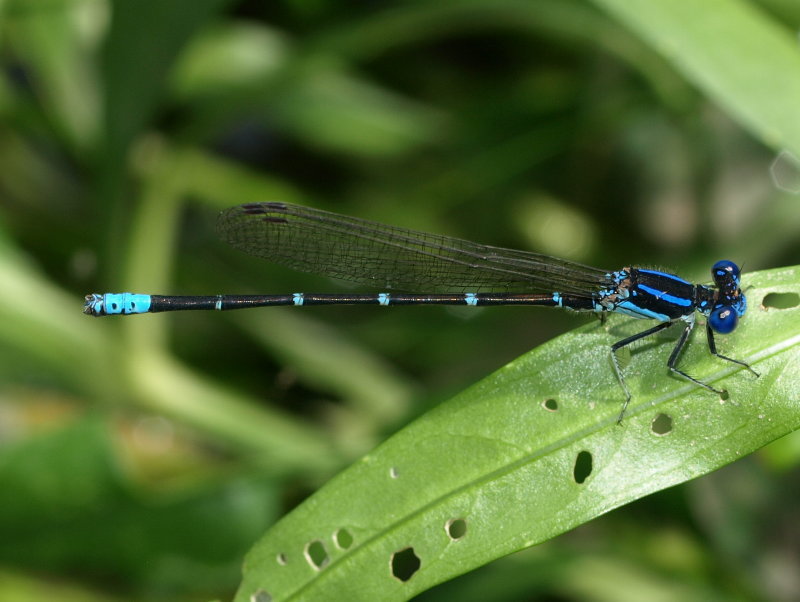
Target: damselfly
<point>396,259</point>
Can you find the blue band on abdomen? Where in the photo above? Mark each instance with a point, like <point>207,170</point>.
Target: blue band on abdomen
<point>125,303</point>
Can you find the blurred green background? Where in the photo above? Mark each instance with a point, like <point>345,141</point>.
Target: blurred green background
<point>141,457</point>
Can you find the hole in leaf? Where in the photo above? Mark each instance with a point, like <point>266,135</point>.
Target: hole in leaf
<point>281,558</point>
<point>405,563</point>
<point>551,405</point>
<point>583,467</point>
<point>316,554</point>
<point>456,528</point>
<point>781,301</point>
<point>261,596</point>
<point>393,472</point>
<point>662,424</point>
<point>343,539</point>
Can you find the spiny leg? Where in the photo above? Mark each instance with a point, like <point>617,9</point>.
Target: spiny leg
<point>673,359</point>
<point>712,347</point>
<point>615,360</point>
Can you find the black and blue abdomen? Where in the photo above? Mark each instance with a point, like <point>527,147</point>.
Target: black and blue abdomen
<point>650,294</point>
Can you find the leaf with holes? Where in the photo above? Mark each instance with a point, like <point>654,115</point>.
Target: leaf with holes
<point>535,450</point>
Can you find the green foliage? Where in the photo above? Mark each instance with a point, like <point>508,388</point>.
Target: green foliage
<point>64,482</point>
<point>140,458</point>
<point>727,48</point>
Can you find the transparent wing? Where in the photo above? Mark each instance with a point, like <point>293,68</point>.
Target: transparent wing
<point>388,257</point>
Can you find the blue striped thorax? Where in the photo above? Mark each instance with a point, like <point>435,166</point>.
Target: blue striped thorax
<point>649,294</point>
<point>661,296</point>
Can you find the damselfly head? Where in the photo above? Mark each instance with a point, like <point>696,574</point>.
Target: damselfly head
<point>730,303</point>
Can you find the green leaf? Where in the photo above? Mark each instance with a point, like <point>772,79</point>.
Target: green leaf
<point>532,451</point>
<point>56,40</point>
<point>737,54</point>
<point>143,42</point>
<point>67,505</point>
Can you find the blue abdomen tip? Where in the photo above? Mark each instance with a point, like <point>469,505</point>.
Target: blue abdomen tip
<point>117,303</point>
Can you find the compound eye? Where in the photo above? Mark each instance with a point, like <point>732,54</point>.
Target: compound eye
<point>723,267</point>
<point>723,319</point>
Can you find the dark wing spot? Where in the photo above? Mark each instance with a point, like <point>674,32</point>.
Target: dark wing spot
<point>252,208</point>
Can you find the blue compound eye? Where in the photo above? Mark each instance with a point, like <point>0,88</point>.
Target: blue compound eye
<point>725,266</point>
<point>723,319</point>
